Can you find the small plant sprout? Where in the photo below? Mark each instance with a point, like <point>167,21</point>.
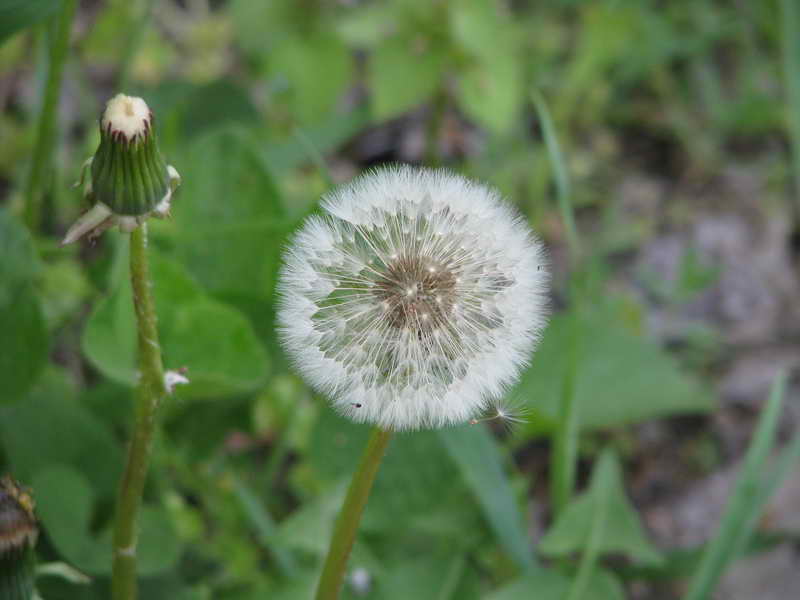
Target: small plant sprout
<point>18,534</point>
<point>412,302</point>
<point>128,179</point>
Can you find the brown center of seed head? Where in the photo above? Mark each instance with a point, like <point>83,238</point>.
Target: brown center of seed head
<point>417,292</point>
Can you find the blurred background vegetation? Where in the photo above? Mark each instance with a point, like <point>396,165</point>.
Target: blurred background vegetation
<point>669,126</point>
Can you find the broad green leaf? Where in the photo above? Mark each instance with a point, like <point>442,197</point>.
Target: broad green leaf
<point>25,344</point>
<point>19,14</point>
<point>403,73</point>
<point>622,532</point>
<point>65,504</point>
<point>429,577</point>
<point>318,68</point>
<point>214,341</point>
<point>64,500</point>
<point>548,584</point>
<point>621,377</point>
<point>492,91</point>
<point>228,226</point>
<point>475,453</point>
<point>18,261</point>
<point>25,339</point>
<point>52,427</point>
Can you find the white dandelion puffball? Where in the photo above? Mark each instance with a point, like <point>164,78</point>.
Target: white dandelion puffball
<point>414,300</point>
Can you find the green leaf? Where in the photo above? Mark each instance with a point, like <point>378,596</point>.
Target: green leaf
<point>318,68</point>
<point>218,346</point>
<point>747,499</point>
<point>19,14</point>
<point>52,427</point>
<point>491,91</point>
<point>475,453</point>
<point>229,207</point>
<point>547,584</point>
<point>213,340</point>
<point>621,377</point>
<point>622,531</point>
<point>65,505</point>
<point>24,334</point>
<point>25,344</point>
<point>403,73</point>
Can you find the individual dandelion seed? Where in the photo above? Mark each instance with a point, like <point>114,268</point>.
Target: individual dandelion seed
<point>414,300</point>
<point>509,413</point>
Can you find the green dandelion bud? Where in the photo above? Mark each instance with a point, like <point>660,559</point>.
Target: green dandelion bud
<point>18,533</point>
<point>128,178</point>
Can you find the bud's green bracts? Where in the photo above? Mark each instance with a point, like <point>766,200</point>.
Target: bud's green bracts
<point>18,532</point>
<point>129,180</point>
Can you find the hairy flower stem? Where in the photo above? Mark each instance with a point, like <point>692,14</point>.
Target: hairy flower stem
<point>43,151</point>
<point>344,533</point>
<point>149,394</point>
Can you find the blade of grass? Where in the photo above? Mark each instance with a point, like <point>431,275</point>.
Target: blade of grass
<point>743,506</point>
<point>790,19</point>
<point>602,481</point>
<point>475,452</point>
<point>265,526</point>
<point>46,128</point>
<point>564,455</point>
<point>560,172</point>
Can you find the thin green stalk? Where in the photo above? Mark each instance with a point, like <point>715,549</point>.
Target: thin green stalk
<point>745,501</point>
<point>561,174</point>
<point>790,19</point>
<point>45,133</point>
<point>564,456</point>
<point>344,533</point>
<point>149,394</point>
<point>601,492</point>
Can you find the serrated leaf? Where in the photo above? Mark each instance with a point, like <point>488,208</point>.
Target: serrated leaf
<point>622,531</point>
<point>475,453</point>
<point>621,377</point>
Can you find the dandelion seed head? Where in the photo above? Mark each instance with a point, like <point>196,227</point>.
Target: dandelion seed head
<point>414,300</point>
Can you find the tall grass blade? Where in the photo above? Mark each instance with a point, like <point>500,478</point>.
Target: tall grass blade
<point>745,503</point>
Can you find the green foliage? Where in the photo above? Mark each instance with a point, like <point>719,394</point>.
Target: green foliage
<point>621,377</point>
<point>262,106</point>
<point>622,531</point>
<point>16,15</point>
<point>216,339</point>
<point>548,584</point>
<point>25,340</point>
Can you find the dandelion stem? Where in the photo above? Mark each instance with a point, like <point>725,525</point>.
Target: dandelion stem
<point>149,394</point>
<point>45,133</point>
<point>344,533</point>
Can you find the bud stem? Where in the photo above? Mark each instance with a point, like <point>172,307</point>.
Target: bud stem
<point>344,533</point>
<point>149,394</point>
